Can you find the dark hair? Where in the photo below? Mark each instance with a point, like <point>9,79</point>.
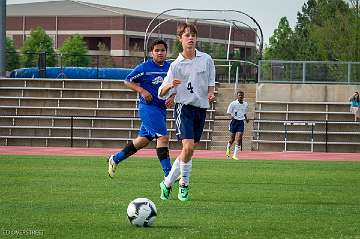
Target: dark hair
<point>239,92</point>
<point>158,42</point>
<point>182,27</point>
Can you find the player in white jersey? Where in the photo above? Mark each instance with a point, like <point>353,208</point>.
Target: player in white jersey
<point>237,112</point>
<point>191,77</point>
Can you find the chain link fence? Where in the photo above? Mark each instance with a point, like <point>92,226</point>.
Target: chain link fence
<point>276,71</point>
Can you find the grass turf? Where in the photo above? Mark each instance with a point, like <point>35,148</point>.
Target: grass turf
<point>72,197</point>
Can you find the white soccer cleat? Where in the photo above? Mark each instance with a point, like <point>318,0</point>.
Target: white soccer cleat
<point>228,153</point>
<point>111,166</point>
<point>235,158</point>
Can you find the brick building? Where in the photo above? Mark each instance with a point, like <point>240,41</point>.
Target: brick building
<point>121,30</point>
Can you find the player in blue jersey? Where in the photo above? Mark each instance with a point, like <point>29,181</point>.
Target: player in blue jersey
<point>146,79</point>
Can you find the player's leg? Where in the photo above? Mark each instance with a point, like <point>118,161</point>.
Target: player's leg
<point>238,138</point>
<point>237,145</point>
<point>185,168</point>
<point>191,133</point>
<point>131,148</point>
<point>165,186</point>
<point>174,173</point>
<point>231,138</point>
<point>229,144</point>
<point>162,151</point>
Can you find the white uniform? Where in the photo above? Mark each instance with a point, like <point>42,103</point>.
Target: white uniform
<point>237,110</point>
<point>196,74</point>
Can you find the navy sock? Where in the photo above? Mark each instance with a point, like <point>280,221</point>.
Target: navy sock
<point>163,155</point>
<point>125,153</point>
<point>166,166</point>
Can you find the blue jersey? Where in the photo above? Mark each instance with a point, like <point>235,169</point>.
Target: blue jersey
<point>149,76</point>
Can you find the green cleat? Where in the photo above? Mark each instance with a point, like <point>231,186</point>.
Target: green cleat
<point>165,191</point>
<point>183,194</point>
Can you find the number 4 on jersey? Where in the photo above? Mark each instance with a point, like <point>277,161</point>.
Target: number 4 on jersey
<point>190,88</point>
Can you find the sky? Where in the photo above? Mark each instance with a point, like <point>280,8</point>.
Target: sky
<point>266,12</point>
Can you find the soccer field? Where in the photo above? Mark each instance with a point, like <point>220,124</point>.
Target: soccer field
<point>72,197</point>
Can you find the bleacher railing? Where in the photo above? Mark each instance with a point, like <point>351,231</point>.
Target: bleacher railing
<point>310,135</point>
<point>329,72</point>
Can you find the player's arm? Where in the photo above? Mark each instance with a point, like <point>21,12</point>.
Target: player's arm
<point>135,87</point>
<point>167,87</point>
<point>211,82</point>
<point>229,111</point>
<point>211,95</point>
<point>246,118</point>
<point>134,78</point>
<point>164,90</point>
<point>170,101</point>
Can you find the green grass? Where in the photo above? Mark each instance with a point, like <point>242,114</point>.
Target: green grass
<point>72,197</point>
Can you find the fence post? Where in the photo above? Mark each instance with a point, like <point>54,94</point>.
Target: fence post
<point>258,72</point>
<point>42,64</point>
<point>326,136</point>
<point>97,66</point>
<point>312,136</point>
<point>285,137</point>
<point>71,131</point>
<point>304,72</point>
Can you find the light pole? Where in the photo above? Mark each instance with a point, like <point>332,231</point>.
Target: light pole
<point>3,38</point>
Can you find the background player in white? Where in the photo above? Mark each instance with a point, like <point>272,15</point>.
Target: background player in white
<point>191,78</point>
<point>237,112</point>
<point>146,79</point>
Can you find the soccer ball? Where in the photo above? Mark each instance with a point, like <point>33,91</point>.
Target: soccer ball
<point>141,212</point>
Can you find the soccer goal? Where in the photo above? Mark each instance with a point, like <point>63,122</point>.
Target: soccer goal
<point>233,38</point>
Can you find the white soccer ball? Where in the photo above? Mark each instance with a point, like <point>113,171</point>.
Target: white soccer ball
<point>141,212</point>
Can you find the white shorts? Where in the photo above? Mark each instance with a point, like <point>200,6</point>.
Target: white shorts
<point>355,110</point>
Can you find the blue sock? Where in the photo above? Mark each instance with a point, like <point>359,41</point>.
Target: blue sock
<point>166,166</point>
<point>119,156</point>
<point>126,152</point>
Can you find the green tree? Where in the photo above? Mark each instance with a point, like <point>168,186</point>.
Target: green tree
<point>325,30</point>
<point>177,48</point>
<point>219,51</point>
<point>12,57</point>
<point>205,46</point>
<point>280,43</point>
<point>37,42</point>
<point>75,52</point>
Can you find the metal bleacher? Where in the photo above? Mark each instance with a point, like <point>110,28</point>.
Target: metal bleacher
<point>78,113</point>
<point>305,126</point>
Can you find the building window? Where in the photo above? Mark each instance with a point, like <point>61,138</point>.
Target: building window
<point>136,44</point>
<point>93,42</point>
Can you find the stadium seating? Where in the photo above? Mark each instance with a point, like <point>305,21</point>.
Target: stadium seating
<point>93,113</point>
<point>305,126</point>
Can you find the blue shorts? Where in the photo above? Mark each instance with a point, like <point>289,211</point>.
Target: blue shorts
<point>153,121</point>
<point>190,121</point>
<point>236,126</point>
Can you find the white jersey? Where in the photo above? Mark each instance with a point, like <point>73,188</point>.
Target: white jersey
<point>237,110</point>
<point>196,74</point>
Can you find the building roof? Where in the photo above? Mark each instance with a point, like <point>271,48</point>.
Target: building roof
<point>71,8</point>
